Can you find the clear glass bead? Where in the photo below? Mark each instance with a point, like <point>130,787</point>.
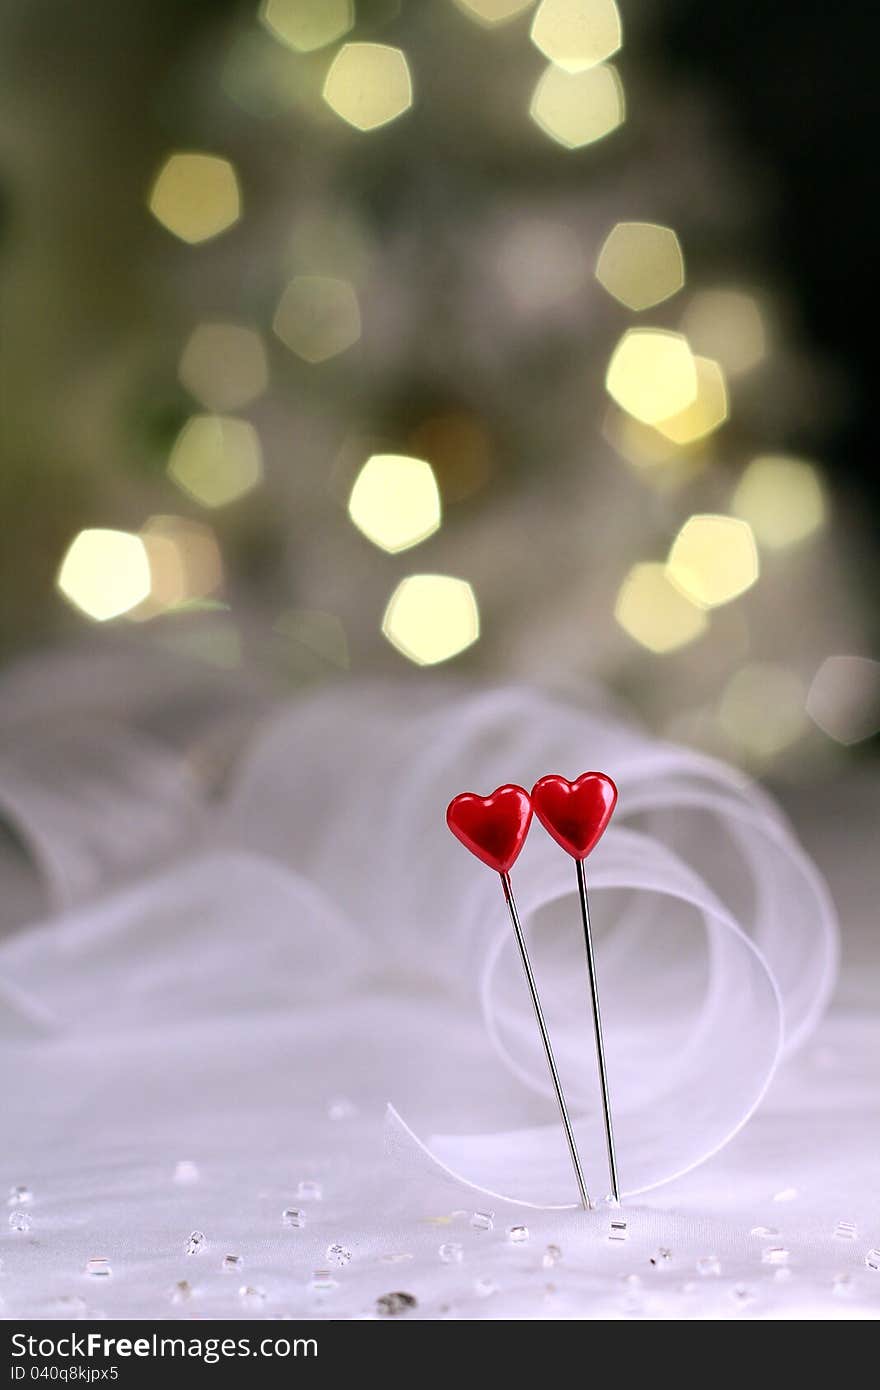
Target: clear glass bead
<point>309,1191</point>
<point>846,1230</point>
<point>617,1230</point>
<point>709,1265</point>
<point>661,1258</point>
<point>230,1264</point>
<point>483,1221</point>
<point>775,1255</point>
<point>292,1216</point>
<point>517,1235</point>
<point>19,1221</point>
<point>391,1305</point>
<point>98,1267</point>
<point>451,1253</point>
<point>196,1242</point>
<point>19,1195</point>
<point>323,1280</point>
<point>872,1259</point>
<point>765,1232</point>
<point>338,1254</point>
<point>551,1256</point>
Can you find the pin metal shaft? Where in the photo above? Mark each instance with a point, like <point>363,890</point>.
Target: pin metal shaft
<point>545,1038</point>
<point>597,1024</point>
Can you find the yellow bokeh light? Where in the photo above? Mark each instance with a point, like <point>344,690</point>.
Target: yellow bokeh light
<point>395,501</point>
<point>196,196</point>
<point>844,698</point>
<point>762,709</point>
<point>368,84</point>
<point>431,617</point>
<point>575,109</point>
<point>224,366</point>
<point>216,459</point>
<point>305,25</point>
<point>577,34</point>
<point>654,613</point>
<point>105,573</point>
<point>713,559</point>
<point>781,498</point>
<point>641,264</point>
<point>727,325</point>
<point>706,413</point>
<point>491,12</point>
<point>318,317</point>
<point>652,374</point>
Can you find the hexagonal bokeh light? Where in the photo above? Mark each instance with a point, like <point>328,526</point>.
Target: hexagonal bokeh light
<point>318,317</point>
<point>395,501</point>
<point>713,559</point>
<point>369,84</point>
<point>305,25</point>
<point>577,34</point>
<point>223,365</point>
<point>576,109</point>
<point>431,618</point>
<point>105,573</point>
<point>216,459</point>
<point>490,12</point>
<point>196,196</point>
<point>652,374</point>
<point>641,264</point>
<point>655,613</point>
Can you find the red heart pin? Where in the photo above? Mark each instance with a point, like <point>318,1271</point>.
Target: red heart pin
<point>575,813</point>
<point>494,828</point>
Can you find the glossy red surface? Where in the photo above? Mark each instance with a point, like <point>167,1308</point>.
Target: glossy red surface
<point>575,813</point>
<point>494,828</point>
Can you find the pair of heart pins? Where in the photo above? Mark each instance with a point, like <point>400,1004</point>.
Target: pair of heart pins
<point>494,828</point>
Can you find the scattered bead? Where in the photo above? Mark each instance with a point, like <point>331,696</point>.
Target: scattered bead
<point>764,1232</point>
<point>709,1265</point>
<point>617,1230</point>
<point>292,1216</point>
<point>451,1253</point>
<point>19,1195</point>
<point>661,1258</point>
<point>309,1191</point>
<point>338,1255</point>
<point>775,1255</point>
<point>517,1234</point>
<point>551,1256</point>
<point>186,1172</point>
<point>19,1221</point>
<point>230,1264</point>
<point>323,1280</point>
<point>251,1295</point>
<point>391,1305</point>
<point>872,1259</point>
<point>98,1268</point>
<point>196,1242</point>
<point>483,1221</point>
<point>846,1230</point>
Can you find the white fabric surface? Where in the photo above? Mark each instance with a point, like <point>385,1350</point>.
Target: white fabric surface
<point>246,985</point>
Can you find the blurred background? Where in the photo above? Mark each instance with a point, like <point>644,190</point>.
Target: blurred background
<point>371,337</point>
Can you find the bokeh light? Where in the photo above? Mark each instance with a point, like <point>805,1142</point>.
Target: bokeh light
<point>781,498</point>
<point>196,196</point>
<point>713,559</point>
<point>652,374</point>
<point>431,617</point>
<point>727,324</point>
<point>459,449</point>
<point>224,366</point>
<point>395,501</point>
<point>577,34</point>
<point>655,613</point>
<point>762,710</point>
<point>318,317</point>
<point>305,25</point>
<point>216,459</point>
<point>575,109</point>
<point>489,12</point>
<point>641,264</point>
<point>706,413</point>
<point>105,573</point>
<point>185,564</point>
<point>844,698</point>
<point>368,85</point>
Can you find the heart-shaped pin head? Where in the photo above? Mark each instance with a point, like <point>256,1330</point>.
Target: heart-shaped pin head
<point>494,828</point>
<point>575,813</point>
